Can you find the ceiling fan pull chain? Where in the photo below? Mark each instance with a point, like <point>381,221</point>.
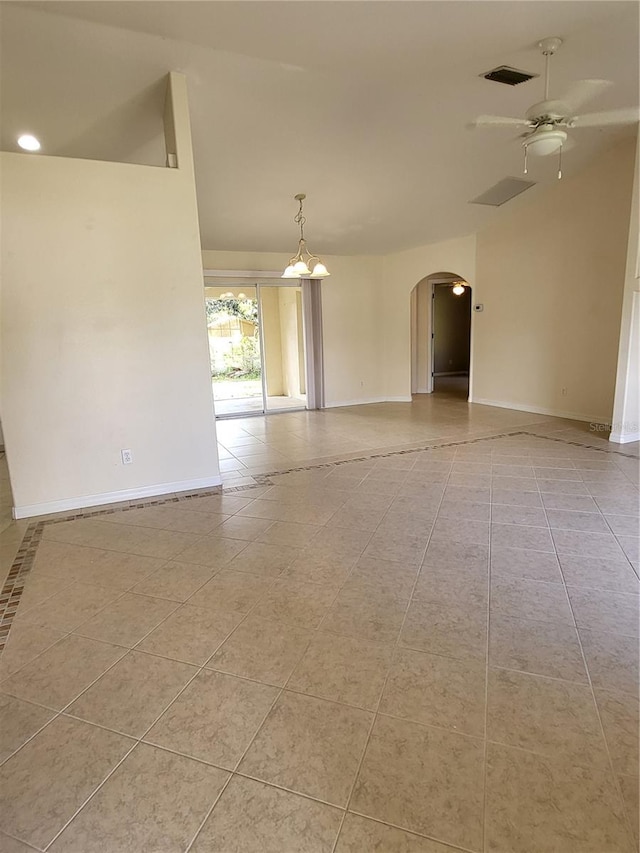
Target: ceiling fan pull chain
<point>526,171</point>
<point>560,164</point>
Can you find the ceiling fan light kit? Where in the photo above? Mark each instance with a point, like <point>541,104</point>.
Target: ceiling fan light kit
<point>299,265</point>
<point>546,119</point>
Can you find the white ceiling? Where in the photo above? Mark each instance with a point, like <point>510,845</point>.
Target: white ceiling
<point>362,105</point>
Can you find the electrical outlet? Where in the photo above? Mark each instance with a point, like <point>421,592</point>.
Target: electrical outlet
<point>563,391</point>
<point>127,457</point>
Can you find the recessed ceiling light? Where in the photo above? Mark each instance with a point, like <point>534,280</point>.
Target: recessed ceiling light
<point>28,142</point>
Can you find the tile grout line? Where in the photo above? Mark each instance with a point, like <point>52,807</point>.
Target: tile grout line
<point>396,645</point>
<point>281,690</point>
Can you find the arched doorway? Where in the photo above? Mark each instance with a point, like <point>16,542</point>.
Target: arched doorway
<point>441,328</point>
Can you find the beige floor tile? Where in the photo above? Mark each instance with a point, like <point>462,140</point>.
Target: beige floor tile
<point>213,551</point>
<point>377,618</point>
<point>605,610</point>
<point>12,845</point>
<point>528,515</point>
<point>544,715</point>
<point>277,511</point>
<point>581,542</point>
<point>223,504</point>
<point>398,546</point>
<point>537,803</point>
<point>453,628</point>
<point>423,779</point>
<point>458,557</point>
<point>25,642</point>
<point>57,770</point>
<point>322,567</point>
<point>578,503</point>
<point>135,691</point>
<point>469,533</point>
<point>532,565</point>
<point>284,533</point>
<point>336,539</point>
<point>436,690</point>
<point>190,634</point>
<point>214,718</point>
<point>612,573</point>
<point>612,660</point>
<point>562,487</point>
<point>264,560</point>
<point>63,671</point>
<point>299,604</point>
<point>145,541</point>
<point>516,497</point>
<point>140,807</point>
<point>620,717</point>
<point>127,620</point>
<point>623,525</point>
<point>175,581</point>
<point>18,722</point>
<point>467,510</point>
<point>384,577</point>
<point>343,669</point>
<point>273,821</point>
<point>521,536</point>
<point>541,648</point>
<point>310,746</point>
<point>246,528</point>
<point>231,591</point>
<point>69,608</point>
<point>38,588</point>
<point>630,789</point>
<point>359,834</point>
<point>65,561</point>
<point>118,571</point>
<point>261,650</point>
<point>527,599</point>
<point>561,519</point>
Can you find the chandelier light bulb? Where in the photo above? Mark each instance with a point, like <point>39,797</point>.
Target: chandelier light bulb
<point>458,289</point>
<point>320,271</point>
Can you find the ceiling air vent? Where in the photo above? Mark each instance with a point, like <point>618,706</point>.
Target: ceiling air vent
<point>504,190</point>
<point>508,75</point>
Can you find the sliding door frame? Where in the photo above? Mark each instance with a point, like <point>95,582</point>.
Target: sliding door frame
<point>311,333</point>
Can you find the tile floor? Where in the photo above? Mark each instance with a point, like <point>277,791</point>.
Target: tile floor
<point>416,652</point>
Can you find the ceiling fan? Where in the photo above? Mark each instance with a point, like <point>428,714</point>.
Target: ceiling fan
<point>546,119</point>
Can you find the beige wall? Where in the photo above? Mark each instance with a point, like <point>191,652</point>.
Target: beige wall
<point>626,410</point>
<point>550,274</point>
<point>103,332</point>
<point>401,272</point>
<point>352,320</point>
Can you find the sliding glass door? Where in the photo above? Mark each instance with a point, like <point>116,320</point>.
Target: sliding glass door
<point>256,347</point>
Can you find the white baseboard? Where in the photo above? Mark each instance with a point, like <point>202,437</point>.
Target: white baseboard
<point>539,410</point>
<point>363,402</point>
<point>624,437</point>
<point>87,501</point>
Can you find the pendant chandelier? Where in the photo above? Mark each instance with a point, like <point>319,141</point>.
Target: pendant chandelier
<point>300,265</point>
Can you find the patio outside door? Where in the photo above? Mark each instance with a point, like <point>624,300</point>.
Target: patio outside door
<point>256,346</point>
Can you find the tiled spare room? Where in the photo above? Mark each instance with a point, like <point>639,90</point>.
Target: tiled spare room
<point>419,648</point>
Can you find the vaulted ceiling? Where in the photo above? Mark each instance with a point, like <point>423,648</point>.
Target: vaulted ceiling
<point>362,105</point>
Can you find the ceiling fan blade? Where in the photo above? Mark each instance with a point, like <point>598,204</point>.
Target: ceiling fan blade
<point>487,121</point>
<point>582,91</point>
<point>625,115</point>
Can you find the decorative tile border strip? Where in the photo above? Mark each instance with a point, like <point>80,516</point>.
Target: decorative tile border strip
<point>14,584</point>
